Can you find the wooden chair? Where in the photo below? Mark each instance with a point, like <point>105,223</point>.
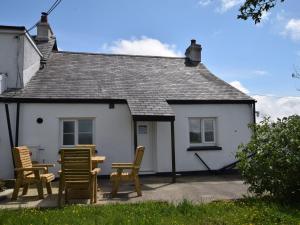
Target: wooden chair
<point>28,173</point>
<point>93,147</point>
<point>77,174</point>
<point>132,175</point>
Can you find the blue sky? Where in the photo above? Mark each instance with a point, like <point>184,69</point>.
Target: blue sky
<point>259,58</point>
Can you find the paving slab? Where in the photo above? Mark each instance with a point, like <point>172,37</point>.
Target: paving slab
<point>197,189</point>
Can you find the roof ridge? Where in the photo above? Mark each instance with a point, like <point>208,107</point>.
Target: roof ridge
<point>111,54</point>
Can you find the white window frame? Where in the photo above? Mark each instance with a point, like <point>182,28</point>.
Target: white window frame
<point>204,143</point>
<point>76,133</point>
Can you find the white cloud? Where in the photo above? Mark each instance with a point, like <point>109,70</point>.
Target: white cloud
<point>260,72</point>
<point>204,2</point>
<point>228,4</point>
<point>142,46</point>
<point>292,29</point>
<point>268,105</point>
<point>265,17</point>
<point>239,86</point>
<point>277,107</point>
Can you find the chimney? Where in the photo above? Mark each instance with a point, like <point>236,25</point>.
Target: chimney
<point>44,32</point>
<point>193,53</point>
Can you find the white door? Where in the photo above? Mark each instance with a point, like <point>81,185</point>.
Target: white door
<point>145,138</point>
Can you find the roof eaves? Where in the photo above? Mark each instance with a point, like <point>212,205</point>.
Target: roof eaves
<point>19,28</point>
<point>210,101</point>
<point>62,100</point>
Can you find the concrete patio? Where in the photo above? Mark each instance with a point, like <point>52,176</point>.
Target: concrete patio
<point>197,189</point>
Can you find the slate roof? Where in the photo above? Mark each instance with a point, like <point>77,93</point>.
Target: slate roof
<point>147,83</point>
<point>46,47</point>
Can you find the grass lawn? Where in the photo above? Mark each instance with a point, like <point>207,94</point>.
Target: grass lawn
<point>247,211</point>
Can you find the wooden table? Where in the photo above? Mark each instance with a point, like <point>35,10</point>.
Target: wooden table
<point>95,160</point>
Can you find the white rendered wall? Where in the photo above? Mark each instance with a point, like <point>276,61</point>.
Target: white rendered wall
<point>11,57</point>
<point>113,132</point>
<point>19,58</point>
<point>232,130</point>
<point>31,61</point>
<point>114,135</point>
<point>6,164</point>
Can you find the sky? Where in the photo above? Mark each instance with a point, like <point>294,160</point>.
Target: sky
<point>258,59</point>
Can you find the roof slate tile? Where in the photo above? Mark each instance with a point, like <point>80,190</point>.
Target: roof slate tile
<point>146,82</point>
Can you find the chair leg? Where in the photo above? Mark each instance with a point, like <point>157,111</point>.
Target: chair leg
<point>137,185</point>
<point>92,190</point>
<point>16,189</point>
<point>60,190</point>
<point>95,189</point>
<point>116,184</point>
<point>25,189</point>
<point>66,195</point>
<point>49,189</point>
<point>39,186</point>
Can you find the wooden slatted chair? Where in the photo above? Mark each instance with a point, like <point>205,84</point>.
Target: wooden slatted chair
<point>77,174</point>
<point>28,173</point>
<point>132,175</point>
<point>93,147</point>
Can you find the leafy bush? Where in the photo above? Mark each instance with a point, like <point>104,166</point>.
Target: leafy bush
<point>274,167</point>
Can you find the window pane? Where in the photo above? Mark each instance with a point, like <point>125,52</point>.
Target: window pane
<point>209,130</point>
<point>68,139</point>
<point>85,126</point>
<point>208,125</point>
<point>85,138</point>
<point>209,136</point>
<point>68,127</point>
<point>195,130</point>
<point>142,129</point>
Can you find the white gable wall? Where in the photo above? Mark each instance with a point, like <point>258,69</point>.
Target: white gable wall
<point>19,57</point>
<point>11,58</point>
<point>31,60</point>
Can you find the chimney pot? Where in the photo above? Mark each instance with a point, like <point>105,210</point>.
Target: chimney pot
<point>193,41</point>
<point>44,17</point>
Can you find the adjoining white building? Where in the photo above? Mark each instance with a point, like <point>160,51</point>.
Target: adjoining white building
<point>173,106</point>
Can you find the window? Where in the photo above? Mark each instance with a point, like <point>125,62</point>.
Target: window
<point>142,129</point>
<point>77,132</point>
<point>202,131</point>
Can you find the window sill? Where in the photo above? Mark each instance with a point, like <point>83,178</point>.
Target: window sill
<point>204,148</point>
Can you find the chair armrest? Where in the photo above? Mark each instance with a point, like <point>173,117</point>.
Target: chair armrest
<point>43,165</point>
<point>31,169</point>
<point>95,171</point>
<point>124,166</point>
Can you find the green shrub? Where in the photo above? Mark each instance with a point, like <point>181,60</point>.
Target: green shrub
<point>275,166</point>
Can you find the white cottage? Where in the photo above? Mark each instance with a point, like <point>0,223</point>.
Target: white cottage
<point>187,118</point>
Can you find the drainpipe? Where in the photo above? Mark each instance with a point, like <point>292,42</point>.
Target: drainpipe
<point>9,131</point>
<point>173,152</point>
<point>17,124</point>
<point>134,135</point>
<point>254,113</point>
